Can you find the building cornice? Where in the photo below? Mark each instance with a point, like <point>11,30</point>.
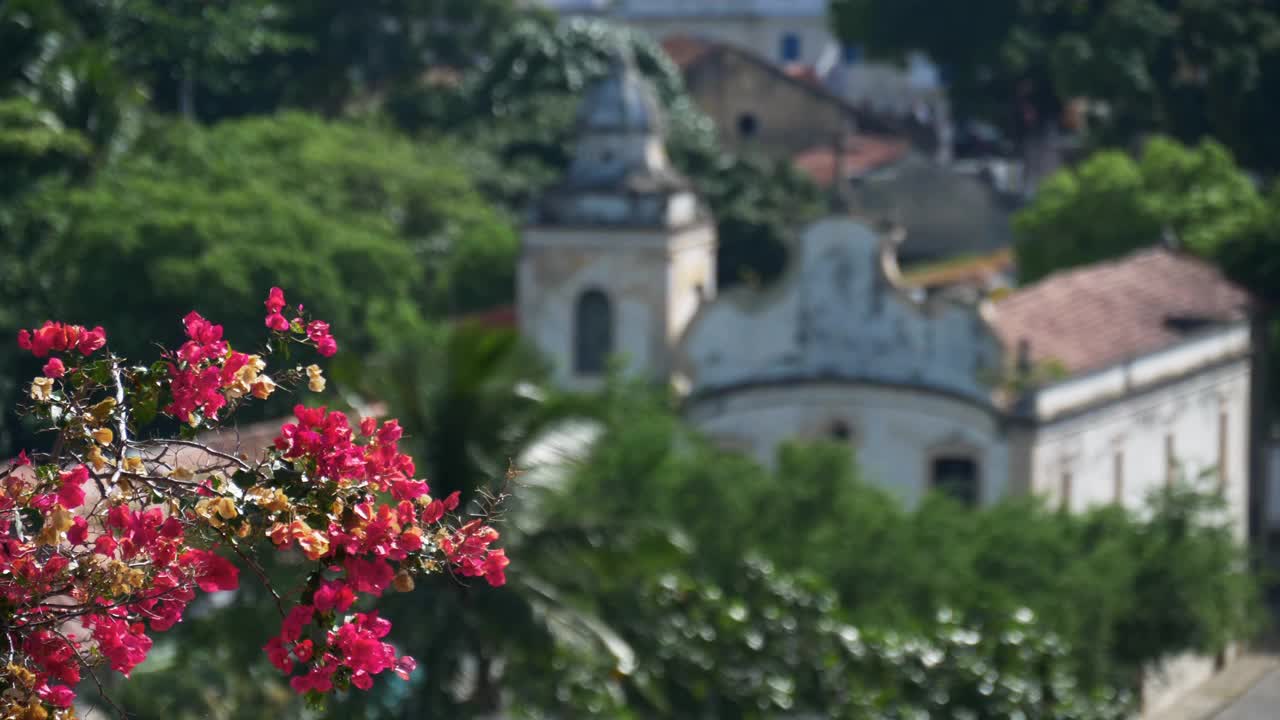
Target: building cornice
<point>721,392</point>
<point>1123,380</point>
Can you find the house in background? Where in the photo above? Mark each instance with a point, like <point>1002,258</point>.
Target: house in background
<point>784,32</point>
<point>887,167</point>
<point>949,212</point>
<point>1093,386</point>
<point>780,110</point>
<point>795,36</point>
<point>1086,387</point>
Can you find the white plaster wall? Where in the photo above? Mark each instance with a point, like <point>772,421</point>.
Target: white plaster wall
<point>894,430</point>
<point>692,279</point>
<point>635,269</point>
<point>1086,444</point>
<point>549,288</point>
<point>836,314</point>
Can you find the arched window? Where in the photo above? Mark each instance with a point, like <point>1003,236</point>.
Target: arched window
<point>839,431</point>
<point>957,476</point>
<point>593,333</point>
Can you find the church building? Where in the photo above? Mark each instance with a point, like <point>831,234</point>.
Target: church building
<point>1092,386</point>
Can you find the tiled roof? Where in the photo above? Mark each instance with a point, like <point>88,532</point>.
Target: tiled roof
<point>861,154</point>
<point>1095,316</point>
<point>685,50</point>
<point>804,73</point>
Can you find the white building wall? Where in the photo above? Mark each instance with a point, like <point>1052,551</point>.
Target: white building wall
<point>836,312</point>
<point>692,279</point>
<point>1132,435</point>
<point>636,269</point>
<point>895,432</point>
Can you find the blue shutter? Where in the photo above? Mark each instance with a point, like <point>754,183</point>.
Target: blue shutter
<point>790,50</point>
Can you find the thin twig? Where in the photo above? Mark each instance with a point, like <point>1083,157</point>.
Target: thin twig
<point>122,423</point>
<point>257,569</point>
<point>102,692</point>
<point>199,446</point>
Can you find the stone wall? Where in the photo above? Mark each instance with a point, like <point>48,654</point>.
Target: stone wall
<point>758,106</point>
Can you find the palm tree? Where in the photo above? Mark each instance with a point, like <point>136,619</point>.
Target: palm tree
<point>479,420</point>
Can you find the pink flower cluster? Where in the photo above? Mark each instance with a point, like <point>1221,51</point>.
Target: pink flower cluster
<point>134,562</point>
<point>363,547</point>
<point>354,646</point>
<point>202,369</point>
<point>128,563</point>
<point>468,549</point>
<point>317,331</point>
<point>62,338</point>
<point>58,659</point>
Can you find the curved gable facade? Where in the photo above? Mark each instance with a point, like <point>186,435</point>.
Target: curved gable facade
<point>839,314</point>
<point>837,350</point>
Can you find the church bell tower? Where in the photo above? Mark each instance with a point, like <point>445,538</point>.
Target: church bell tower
<point>617,257</point>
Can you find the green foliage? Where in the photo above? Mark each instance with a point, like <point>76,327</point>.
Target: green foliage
<point>1189,68</point>
<point>178,47</point>
<point>34,144</point>
<point>378,230</point>
<point>352,217</point>
<point>69,59</point>
<point>769,643</point>
<point>225,58</point>
<point>520,107</point>
<point>660,577</point>
<point>1251,255</point>
<point>348,56</point>
<point>629,596</point>
<point>1112,204</point>
<point>1109,580</point>
<point>1085,214</point>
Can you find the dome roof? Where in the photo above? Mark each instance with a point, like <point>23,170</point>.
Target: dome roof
<point>621,102</point>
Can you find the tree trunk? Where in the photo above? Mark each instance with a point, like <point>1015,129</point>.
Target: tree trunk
<point>1260,322</point>
<point>187,91</point>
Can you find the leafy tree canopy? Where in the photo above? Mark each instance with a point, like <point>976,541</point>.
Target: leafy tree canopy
<point>381,230</point>
<point>1188,68</point>
<point>1113,203</point>
<point>351,215</point>
<point>520,109</point>
<point>226,58</point>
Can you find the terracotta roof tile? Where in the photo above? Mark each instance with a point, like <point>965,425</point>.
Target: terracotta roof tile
<point>1095,316</point>
<point>685,50</point>
<point>862,154</point>
<point>804,73</point>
